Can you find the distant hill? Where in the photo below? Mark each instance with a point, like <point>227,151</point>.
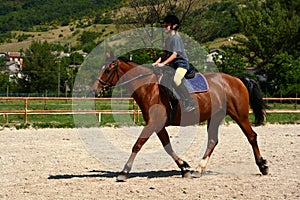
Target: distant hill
<point>71,23</point>
<point>24,14</point>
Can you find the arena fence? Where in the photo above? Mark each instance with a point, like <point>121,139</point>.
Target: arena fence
<point>26,110</point>
<point>26,107</point>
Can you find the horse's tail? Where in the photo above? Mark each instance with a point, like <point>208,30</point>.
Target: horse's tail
<point>256,101</point>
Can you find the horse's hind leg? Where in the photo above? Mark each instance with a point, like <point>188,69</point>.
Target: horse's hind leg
<point>252,138</point>
<point>165,140</point>
<point>212,141</point>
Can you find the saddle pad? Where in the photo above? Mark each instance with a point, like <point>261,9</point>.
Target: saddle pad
<point>197,84</point>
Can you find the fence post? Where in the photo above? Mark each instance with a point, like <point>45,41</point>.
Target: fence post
<point>296,101</point>
<point>25,111</point>
<point>6,118</point>
<point>134,108</point>
<point>99,117</point>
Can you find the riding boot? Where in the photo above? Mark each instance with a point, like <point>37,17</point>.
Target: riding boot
<point>188,102</point>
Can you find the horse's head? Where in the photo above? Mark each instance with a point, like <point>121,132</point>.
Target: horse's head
<point>112,75</point>
<point>107,78</point>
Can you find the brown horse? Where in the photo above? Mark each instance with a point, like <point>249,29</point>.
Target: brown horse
<point>227,95</point>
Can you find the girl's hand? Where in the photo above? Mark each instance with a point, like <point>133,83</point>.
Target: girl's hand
<point>160,65</point>
<point>154,64</point>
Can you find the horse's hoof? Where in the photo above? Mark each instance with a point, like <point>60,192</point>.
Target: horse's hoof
<point>196,174</point>
<point>263,167</point>
<point>191,174</point>
<point>187,174</point>
<point>122,177</point>
<point>264,170</point>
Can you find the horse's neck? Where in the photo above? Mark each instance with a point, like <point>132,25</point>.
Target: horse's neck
<point>140,80</point>
<point>129,70</point>
<point>126,67</point>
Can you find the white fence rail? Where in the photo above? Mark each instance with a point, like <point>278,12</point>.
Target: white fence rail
<point>135,111</point>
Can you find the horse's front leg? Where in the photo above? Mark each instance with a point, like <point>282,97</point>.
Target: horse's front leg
<point>156,122</point>
<point>165,140</point>
<point>144,136</point>
<point>123,175</point>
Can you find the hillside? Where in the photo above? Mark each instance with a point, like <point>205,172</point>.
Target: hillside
<point>55,21</point>
<point>61,22</point>
<point>25,14</point>
<point>65,35</point>
<point>270,31</point>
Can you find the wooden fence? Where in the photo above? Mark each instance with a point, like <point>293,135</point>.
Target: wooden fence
<point>135,111</point>
<point>26,111</point>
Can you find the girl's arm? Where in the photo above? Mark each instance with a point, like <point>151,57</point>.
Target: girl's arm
<point>170,59</point>
<point>158,61</point>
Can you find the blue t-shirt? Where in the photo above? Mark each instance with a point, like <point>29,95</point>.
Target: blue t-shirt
<point>174,43</point>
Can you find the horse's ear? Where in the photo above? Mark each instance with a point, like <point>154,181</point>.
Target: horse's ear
<point>109,59</point>
<point>114,58</point>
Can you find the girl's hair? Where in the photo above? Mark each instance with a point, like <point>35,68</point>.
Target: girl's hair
<point>173,20</point>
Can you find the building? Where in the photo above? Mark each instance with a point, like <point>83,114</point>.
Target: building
<point>14,61</point>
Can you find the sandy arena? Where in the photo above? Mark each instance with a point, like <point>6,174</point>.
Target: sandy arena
<point>54,164</point>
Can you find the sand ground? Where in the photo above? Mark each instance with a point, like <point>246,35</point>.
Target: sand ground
<point>55,164</point>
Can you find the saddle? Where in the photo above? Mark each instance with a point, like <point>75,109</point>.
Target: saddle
<point>194,82</point>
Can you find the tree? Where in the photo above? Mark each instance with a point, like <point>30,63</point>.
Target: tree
<point>71,64</point>
<point>4,80</point>
<point>231,63</point>
<point>23,15</point>
<point>269,28</point>
<point>42,71</point>
<point>271,43</point>
<point>286,79</point>
<point>8,78</point>
<point>212,21</point>
<point>149,14</point>
<point>143,13</point>
<point>2,61</point>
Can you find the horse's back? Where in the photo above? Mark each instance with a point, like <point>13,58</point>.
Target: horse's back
<point>221,82</point>
<point>224,91</point>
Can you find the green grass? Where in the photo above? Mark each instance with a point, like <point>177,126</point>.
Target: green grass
<point>91,120</point>
<point>275,118</point>
<point>283,118</point>
<point>284,106</point>
<point>64,120</point>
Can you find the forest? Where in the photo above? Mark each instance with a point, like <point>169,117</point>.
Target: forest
<point>266,37</point>
<point>25,14</point>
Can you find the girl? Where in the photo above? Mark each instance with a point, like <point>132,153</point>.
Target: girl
<point>175,56</point>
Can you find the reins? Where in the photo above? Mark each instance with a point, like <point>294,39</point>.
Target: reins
<point>125,82</point>
<point>108,86</point>
<point>130,80</point>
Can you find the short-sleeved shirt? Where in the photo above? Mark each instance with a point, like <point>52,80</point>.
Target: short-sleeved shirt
<point>174,43</point>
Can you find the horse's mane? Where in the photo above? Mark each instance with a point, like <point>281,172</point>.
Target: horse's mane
<point>126,60</point>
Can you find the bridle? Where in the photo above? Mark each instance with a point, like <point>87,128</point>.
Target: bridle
<point>114,72</point>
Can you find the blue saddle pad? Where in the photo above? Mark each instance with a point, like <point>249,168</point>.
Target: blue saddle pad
<point>197,84</point>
